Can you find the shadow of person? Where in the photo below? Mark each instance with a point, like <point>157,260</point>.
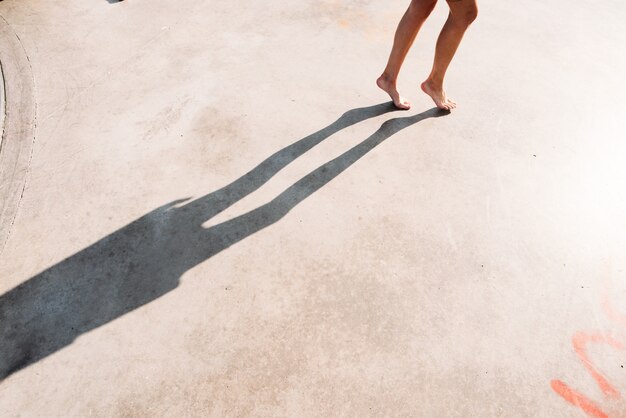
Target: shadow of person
<point>146,258</point>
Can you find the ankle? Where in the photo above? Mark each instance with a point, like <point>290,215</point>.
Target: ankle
<point>388,78</point>
<point>435,83</point>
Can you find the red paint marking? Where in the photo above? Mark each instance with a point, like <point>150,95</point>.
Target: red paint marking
<point>611,312</point>
<point>580,341</point>
<point>606,289</point>
<point>577,399</point>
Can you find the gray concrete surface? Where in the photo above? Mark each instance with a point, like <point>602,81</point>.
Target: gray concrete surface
<point>221,215</point>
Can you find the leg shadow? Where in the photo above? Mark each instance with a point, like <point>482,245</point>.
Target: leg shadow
<point>145,259</point>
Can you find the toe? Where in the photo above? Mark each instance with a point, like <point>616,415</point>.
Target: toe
<point>402,105</point>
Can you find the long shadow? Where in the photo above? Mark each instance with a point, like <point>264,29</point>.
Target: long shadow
<point>146,258</point>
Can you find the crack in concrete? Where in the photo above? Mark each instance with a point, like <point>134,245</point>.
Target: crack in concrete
<point>2,105</point>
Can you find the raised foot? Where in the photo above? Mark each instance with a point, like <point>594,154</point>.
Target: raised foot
<point>439,96</point>
<point>389,88</point>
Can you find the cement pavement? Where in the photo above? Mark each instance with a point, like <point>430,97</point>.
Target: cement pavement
<point>219,214</point>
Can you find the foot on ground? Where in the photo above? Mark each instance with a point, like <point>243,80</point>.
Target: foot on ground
<point>438,95</point>
<point>389,87</point>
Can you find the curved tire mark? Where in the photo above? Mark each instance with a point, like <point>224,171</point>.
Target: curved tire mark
<point>19,126</point>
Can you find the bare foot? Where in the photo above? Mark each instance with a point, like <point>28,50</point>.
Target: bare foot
<point>438,95</point>
<point>389,87</point>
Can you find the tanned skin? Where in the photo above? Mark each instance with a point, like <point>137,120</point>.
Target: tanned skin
<point>462,14</point>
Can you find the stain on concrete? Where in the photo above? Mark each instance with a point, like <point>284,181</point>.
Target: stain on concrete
<point>162,122</point>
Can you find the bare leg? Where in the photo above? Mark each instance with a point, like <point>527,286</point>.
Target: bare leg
<point>407,30</point>
<point>462,14</point>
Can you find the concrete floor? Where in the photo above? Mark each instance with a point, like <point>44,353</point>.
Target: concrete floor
<point>210,209</point>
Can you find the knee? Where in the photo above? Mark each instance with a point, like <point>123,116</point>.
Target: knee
<point>468,15</point>
<point>463,12</point>
<point>471,15</point>
<point>421,8</point>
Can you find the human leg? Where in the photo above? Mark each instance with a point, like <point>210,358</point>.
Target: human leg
<point>406,32</point>
<point>462,14</point>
